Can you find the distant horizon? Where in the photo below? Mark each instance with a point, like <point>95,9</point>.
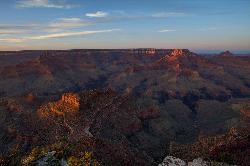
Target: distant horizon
<point>239,52</point>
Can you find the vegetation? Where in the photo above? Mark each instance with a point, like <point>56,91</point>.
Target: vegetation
<point>57,153</point>
<point>87,159</point>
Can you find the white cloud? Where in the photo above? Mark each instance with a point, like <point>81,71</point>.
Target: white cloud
<point>167,30</point>
<point>98,14</point>
<point>55,35</point>
<point>119,14</point>
<point>44,4</point>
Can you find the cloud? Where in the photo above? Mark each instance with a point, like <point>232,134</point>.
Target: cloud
<point>98,14</point>
<point>60,4</point>
<point>7,30</point>
<point>17,27</point>
<point>166,30</point>
<point>11,40</point>
<point>70,34</point>
<point>57,25</point>
<point>11,32</point>
<point>55,35</point>
<point>67,23</point>
<point>120,15</point>
<point>168,14</point>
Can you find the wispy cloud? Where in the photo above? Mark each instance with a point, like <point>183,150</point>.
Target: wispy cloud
<point>11,40</point>
<point>55,36</point>
<point>119,15</point>
<point>70,34</point>
<point>17,27</point>
<point>11,32</point>
<point>67,23</point>
<point>166,30</point>
<point>60,24</point>
<point>70,22</point>
<point>97,14</point>
<point>169,14</point>
<point>60,4</point>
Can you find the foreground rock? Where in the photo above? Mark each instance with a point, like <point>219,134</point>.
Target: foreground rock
<point>173,161</point>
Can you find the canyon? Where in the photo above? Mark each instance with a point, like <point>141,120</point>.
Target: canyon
<point>126,106</point>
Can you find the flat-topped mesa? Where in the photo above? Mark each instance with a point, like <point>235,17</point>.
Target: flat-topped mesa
<point>144,51</point>
<point>160,52</point>
<point>226,54</point>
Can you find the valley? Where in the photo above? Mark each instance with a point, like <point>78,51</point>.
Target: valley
<point>126,106</point>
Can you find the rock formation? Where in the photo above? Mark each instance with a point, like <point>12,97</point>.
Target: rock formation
<point>226,54</point>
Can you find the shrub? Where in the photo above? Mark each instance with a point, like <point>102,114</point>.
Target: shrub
<point>86,160</point>
<point>74,161</point>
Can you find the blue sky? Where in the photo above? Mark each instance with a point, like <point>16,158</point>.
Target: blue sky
<point>199,25</point>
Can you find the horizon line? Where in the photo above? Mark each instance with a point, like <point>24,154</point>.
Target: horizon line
<point>201,51</point>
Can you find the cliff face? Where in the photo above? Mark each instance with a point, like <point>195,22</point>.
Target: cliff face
<point>69,102</point>
<point>77,70</point>
<point>231,148</point>
<point>177,53</point>
<point>245,111</point>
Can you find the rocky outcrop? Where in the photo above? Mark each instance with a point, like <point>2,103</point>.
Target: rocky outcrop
<point>172,161</point>
<point>69,102</point>
<point>226,54</point>
<point>198,162</point>
<point>231,148</point>
<point>175,54</point>
<point>57,155</point>
<point>245,111</point>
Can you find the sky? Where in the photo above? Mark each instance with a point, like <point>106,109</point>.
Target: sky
<point>199,25</point>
